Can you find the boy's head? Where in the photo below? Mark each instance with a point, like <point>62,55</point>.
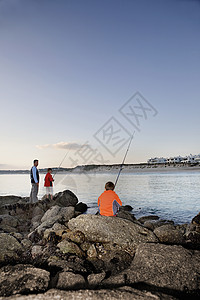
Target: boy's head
<point>49,170</point>
<point>109,186</point>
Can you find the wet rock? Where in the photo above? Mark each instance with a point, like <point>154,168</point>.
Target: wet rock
<point>10,248</point>
<point>20,279</point>
<point>117,233</point>
<point>70,281</point>
<point>170,267</point>
<point>81,207</point>
<point>69,247</point>
<point>148,218</point>
<point>126,215</point>
<point>126,208</point>
<point>169,234</point>
<point>196,220</point>
<point>65,198</point>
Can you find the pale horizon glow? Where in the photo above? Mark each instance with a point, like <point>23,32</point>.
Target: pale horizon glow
<point>67,67</point>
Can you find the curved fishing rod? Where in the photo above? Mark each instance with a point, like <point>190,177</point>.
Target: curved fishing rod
<point>124,159</point>
<point>61,162</point>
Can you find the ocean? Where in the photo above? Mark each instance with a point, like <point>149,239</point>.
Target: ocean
<point>170,195</point>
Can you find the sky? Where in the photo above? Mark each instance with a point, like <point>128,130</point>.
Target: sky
<point>79,78</point>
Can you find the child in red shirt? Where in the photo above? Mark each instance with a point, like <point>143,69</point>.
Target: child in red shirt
<point>109,202</point>
<point>48,183</point>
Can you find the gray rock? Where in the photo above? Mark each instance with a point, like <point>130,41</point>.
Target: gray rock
<point>22,279</point>
<point>10,248</point>
<point>117,233</point>
<point>36,251</point>
<point>65,198</point>
<point>81,207</point>
<point>150,225</point>
<point>9,221</point>
<point>70,281</point>
<point>126,215</point>
<point>70,247</point>
<point>116,280</point>
<point>169,234</point>
<point>126,208</point>
<point>164,266</point>
<point>95,280</point>
<point>6,200</point>
<point>26,243</point>
<point>54,215</point>
<point>75,264</point>
<point>148,218</point>
<point>51,213</point>
<point>124,293</point>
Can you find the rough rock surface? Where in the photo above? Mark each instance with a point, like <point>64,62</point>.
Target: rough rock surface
<point>123,293</point>
<point>10,248</point>
<point>22,279</point>
<point>70,281</point>
<point>55,214</point>
<point>65,198</point>
<point>169,234</point>
<point>170,267</point>
<point>118,233</point>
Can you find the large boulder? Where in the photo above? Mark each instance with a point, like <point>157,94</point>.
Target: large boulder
<point>65,198</point>
<point>54,215</point>
<point>169,234</point>
<point>10,248</point>
<point>20,279</point>
<point>117,233</point>
<point>167,267</point>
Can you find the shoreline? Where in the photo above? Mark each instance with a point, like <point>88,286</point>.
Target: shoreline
<point>127,168</point>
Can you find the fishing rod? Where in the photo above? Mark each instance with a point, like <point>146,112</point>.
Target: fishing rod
<point>124,159</point>
<point>62,162</point>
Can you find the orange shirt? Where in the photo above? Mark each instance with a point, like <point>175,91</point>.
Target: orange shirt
<point>108,203</point>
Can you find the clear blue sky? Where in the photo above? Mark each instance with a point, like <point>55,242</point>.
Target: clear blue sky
<point>67,67</point>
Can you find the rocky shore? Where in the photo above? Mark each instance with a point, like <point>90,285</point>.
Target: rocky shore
<point>52,250</point>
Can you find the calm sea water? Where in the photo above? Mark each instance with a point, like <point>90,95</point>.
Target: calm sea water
<point>174,196</point>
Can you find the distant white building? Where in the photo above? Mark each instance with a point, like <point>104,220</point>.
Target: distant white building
<point>191,159</point>
<point>157,160</point>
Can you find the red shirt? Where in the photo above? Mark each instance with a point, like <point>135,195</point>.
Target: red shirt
<point>48,181</point>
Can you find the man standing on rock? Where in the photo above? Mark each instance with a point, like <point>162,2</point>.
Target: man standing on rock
<point>34,174</point>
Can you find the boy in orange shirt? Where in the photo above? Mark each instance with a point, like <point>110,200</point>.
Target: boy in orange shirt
<point>109,202</point>
<point>48,183</point>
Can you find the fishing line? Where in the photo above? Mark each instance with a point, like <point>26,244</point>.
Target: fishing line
<point>62,162</point>
<point>124,159</point>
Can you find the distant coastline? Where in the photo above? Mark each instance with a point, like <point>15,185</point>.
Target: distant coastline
<point>128,168</point>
